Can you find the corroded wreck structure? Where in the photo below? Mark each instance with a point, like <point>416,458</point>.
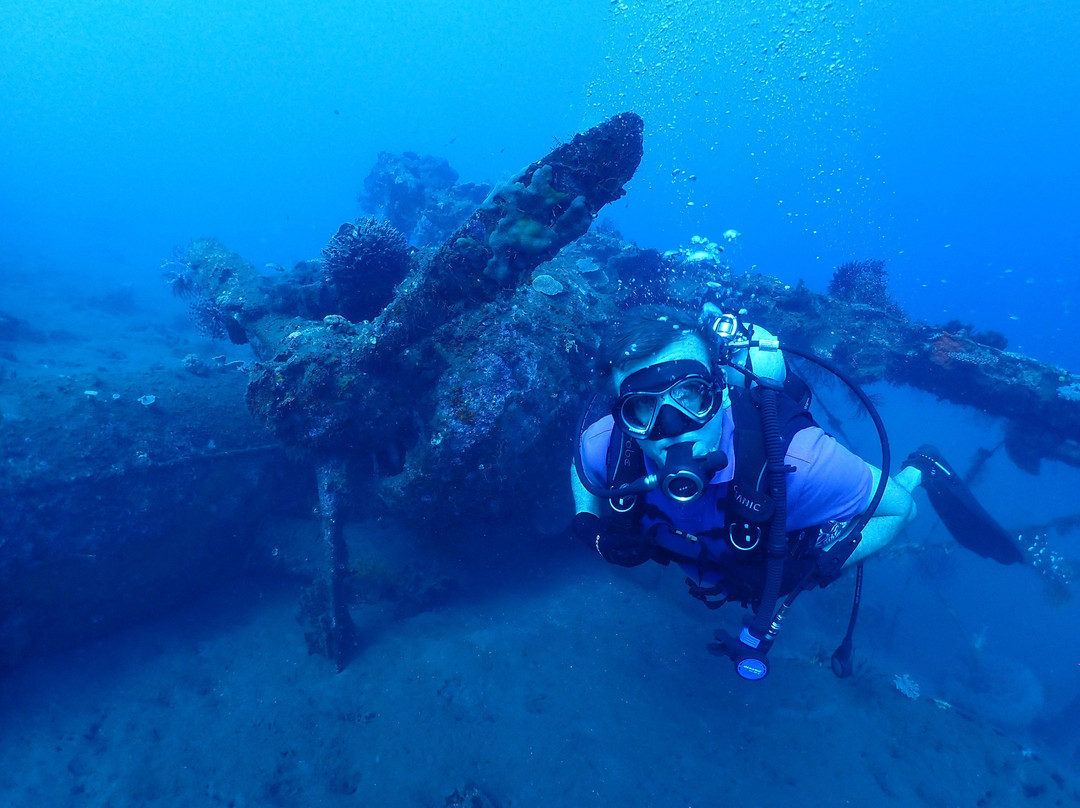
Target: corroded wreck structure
<point>441,396</point>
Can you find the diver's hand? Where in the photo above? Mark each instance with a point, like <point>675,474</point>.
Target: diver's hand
<point>625,548</point>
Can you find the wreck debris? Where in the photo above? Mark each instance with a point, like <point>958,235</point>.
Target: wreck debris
<point>523,222</point>
<point>341,384</point>
<point>331,384</point>
<point>879,345</point>
<point>112,511</point>
<point>339,632</point>
<point>420,195</point>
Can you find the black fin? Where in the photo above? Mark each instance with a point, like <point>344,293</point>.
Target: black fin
<point>962,515</point>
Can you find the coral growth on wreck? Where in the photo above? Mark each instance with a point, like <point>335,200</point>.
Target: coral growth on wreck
<point>544,219</point>
<point>362,264</point>
<point>863,282</point>
<point>944,350</point>
<point>420,195</point>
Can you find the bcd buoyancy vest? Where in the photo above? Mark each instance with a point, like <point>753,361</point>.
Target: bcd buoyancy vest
<point>748,507</point>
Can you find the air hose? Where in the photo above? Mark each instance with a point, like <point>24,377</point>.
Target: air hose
<point>879,425</point>
<point>841,658</point>
<point>776,547</point>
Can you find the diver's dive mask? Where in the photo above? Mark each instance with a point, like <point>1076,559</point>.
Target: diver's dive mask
<point>666,400</point>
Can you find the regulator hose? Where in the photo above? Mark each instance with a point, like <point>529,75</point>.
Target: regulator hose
<point>886,455</point>
<point>776,547</point>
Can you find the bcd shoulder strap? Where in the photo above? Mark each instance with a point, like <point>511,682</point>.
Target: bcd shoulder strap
<point>625,464</point>
<point>749,506</point>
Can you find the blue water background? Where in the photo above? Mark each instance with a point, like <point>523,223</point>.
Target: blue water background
<point>941,138</point>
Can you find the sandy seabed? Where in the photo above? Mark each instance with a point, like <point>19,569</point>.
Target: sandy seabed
<point>575,685</point>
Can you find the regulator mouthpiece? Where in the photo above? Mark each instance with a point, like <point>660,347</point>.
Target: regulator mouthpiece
<point>726,326</point>
<point>684,477</point>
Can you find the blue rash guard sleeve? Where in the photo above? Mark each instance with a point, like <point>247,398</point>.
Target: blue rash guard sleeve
<point>594,449</point>
<point>829,482</point>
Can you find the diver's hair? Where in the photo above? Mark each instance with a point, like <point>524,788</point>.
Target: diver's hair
<point>646,330</point>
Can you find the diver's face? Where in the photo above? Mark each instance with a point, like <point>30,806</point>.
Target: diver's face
<point>706,437</point>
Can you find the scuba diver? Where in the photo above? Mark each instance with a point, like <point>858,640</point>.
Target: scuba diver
<point>710,459</point>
